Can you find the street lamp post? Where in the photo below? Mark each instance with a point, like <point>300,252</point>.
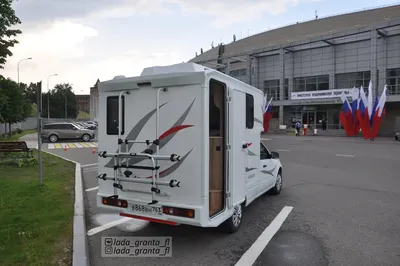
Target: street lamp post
<point>29,58</point>
<point>48,95</point>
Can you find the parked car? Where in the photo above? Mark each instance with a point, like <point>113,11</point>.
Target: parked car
<point>397,136</point>
<point>57,131</point>
<point>84,125</point>
<point>90,124</point>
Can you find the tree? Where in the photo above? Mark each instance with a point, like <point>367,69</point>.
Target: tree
<point>30,91</point>
<point>61,96</point>
<point>8,19</point>
<point>15,106</point>
<point>3,101</point>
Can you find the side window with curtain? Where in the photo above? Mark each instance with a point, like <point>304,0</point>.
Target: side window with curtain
<point>249,111</point>
<point>112,115</point>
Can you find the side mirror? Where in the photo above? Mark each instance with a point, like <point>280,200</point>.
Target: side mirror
<point>274,155</point>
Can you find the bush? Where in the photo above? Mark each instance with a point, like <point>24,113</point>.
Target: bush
<point>19,131</point>
<point>23,162</point>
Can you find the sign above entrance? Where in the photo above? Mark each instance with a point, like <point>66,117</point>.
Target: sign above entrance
<point>320,94</point>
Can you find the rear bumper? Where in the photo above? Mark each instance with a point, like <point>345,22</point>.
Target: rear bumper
<point>158,218</point>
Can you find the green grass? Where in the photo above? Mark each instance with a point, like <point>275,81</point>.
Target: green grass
<point>36,222</point>
<point>19,135</point>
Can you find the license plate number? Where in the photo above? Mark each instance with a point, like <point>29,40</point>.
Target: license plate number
<point>146,209</point>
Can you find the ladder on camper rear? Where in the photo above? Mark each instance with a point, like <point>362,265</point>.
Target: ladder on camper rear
<point>126,155</point>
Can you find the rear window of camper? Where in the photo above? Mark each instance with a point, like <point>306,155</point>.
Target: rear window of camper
<point>112,115</point>
<point>249,111</point>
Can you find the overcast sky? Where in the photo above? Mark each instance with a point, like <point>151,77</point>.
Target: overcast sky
<point>83,40</point>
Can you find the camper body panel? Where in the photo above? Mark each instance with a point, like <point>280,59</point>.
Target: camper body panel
<point>186,93</point>
<point>180,124</point>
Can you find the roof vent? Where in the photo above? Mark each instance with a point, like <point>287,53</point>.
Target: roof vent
<point>119,77</point>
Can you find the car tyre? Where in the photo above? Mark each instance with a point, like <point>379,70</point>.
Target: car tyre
<point>53,138</point>
<point>86,138</point>
<point>276,190</point>
<point>396,137</point>
<point>232,225</point>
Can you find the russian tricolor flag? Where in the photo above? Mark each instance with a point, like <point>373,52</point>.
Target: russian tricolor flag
<point>346,115</point>
<point>379,112</point>
<point>267,113</point>
<point>362,114</point>
<point>369,114</point>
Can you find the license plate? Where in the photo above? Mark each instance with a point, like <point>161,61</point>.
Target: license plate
<point>146,209</point>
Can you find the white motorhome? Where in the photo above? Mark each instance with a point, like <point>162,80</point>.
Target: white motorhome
<point>181,144</point>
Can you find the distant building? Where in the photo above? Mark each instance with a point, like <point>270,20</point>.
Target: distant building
<point>303,66</point>
<point>94,101</point>
<point>83,101</point>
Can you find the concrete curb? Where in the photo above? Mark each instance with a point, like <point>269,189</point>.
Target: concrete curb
<point>80,254</point>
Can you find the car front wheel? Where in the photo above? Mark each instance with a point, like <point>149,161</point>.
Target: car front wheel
<point>276,190</point>
<point>232,225</point>
<point>86,138</point>
<point>53,138</point>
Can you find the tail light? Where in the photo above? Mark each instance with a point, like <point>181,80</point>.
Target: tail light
<point>188,213</point>
<point>115,202</point>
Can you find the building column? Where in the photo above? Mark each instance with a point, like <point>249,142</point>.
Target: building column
<point>332,79</point>
<point>281,77</point>
<point>248,69</point>
<point>382,71</point>
<point>228,67</point>
<point>373,61</point>
<point>291,77</point>
<point>255,75</point>
<point>280,114</point>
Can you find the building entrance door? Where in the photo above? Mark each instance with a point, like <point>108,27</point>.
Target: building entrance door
<point>309,119</point>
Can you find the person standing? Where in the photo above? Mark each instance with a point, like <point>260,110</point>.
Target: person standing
<point>298,126</point>
<point>323,124</point>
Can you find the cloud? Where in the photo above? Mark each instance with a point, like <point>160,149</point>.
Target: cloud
<point>57,35</point>
<point>52,46</point>
<point>226,13</point>
<point>59,40</point>
<point>39,11</point>
<point>223,13</point>
<point>131,63</point>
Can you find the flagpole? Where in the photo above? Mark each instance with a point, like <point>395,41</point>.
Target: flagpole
<point>269,103</point>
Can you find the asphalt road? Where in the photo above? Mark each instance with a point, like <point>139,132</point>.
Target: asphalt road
<point>345,193</point>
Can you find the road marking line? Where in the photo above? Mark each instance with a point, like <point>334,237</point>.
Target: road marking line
<point>84,145</point>
<point>64,145</point>
<point>71,145</point>
<point>57,146</point>
<point>90,189</point>
<point>95,144</point>
<point>251,255</point>
<point>107,226</point>
<point>91,145</point>
<point>50,146</point>
<point>92,164</point>
<point>283,150</point>
<point>344,155</point>
<point>90,169</point>
<point>78,145</point>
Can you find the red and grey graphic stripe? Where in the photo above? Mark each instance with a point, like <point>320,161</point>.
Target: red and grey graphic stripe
<point>164,138</point>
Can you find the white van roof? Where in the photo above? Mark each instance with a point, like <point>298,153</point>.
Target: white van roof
<point>165,76</point>
<point>176,68</point>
